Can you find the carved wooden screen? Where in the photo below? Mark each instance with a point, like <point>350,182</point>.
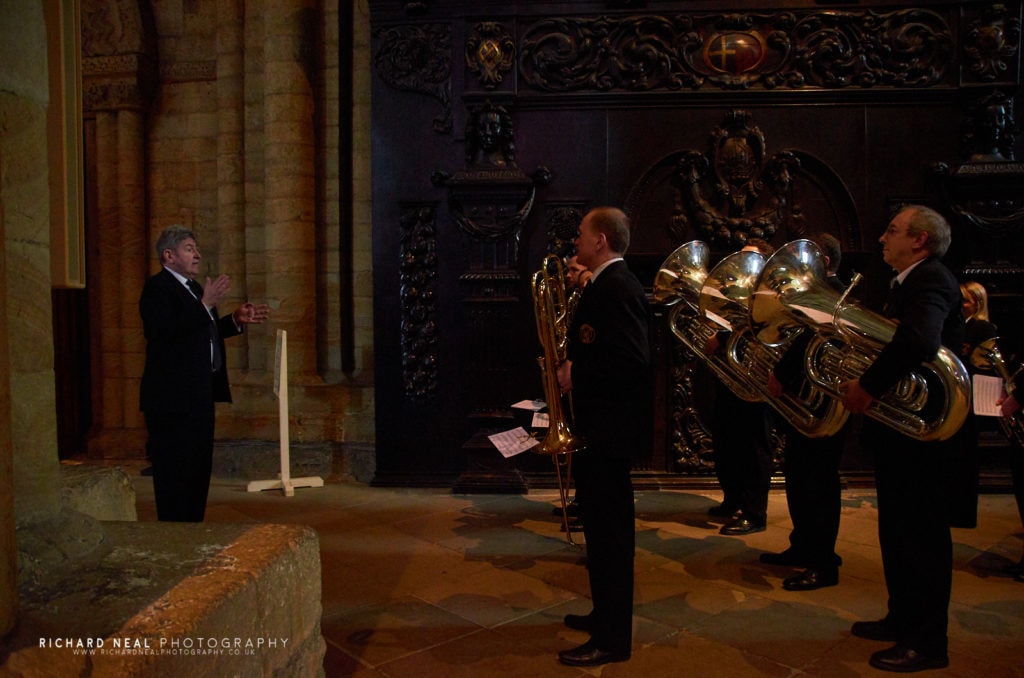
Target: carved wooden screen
<point>496,125</point>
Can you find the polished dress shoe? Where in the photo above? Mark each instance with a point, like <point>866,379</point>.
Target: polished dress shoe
<point>572,510</point>
<point>723,511</point>
<point>578,622</point>
<point>742,525</point>
<point>883,629</point>
<point>589,654</point>
<point>811,579</point>
<point>575,525</point>
<point>903,659</point>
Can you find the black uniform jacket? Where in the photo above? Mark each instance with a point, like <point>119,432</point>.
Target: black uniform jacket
<point>610,354</point>
<point>178,376</point>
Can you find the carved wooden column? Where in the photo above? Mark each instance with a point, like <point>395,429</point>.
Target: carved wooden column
<point>289,179</point>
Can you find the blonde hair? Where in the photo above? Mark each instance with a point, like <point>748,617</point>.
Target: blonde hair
<point>976,292</point>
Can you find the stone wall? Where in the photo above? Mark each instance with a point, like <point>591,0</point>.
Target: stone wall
<point>241,144</point>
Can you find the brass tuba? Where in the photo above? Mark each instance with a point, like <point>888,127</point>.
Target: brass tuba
<point>683,277</point>
<point>987,356</point>
<point>728,300</point>
<point>552,309</point>
<point>931,403</point>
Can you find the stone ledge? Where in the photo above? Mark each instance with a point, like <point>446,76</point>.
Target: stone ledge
<point>177,599</point>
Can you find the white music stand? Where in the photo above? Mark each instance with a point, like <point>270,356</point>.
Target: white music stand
<point>286,482</point>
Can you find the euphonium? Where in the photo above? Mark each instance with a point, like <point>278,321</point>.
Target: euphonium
<point>552,310</point>
<point>987,356</point>
<point>931,403</point>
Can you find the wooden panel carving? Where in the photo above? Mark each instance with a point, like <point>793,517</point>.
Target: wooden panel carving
<point>418,273</point>
<point>417,58</point>
<point>798,50</point>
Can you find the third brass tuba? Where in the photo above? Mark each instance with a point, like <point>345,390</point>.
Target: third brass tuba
<point>931,403</point>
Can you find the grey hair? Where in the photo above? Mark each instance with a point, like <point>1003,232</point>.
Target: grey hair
<point>926,220</point>
<point>171,237</point>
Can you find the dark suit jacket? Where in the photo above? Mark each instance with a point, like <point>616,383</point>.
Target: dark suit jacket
<point>177,376</point>
<point>927,308</point>
<point>610,355</point>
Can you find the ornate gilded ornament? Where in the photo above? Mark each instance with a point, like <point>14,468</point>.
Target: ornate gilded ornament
<point>490,53</point>
<point>734,53</point>
<point>417,58</point>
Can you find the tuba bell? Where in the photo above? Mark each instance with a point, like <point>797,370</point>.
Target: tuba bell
<point>682,275</point>
<point>931,403</point>
<point>987,356</point>
<point>552,309</point>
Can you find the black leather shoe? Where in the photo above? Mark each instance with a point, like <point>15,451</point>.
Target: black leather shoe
<point>589,654</point>
<point>578,622</point>
<point>723,511</point>
<point>789,558</point>
<point>572,509</point>
<point>883,629</point>
<point>811,579</point>
<point>742,525</point>
<point>574,525</point>
<point>905,660</point>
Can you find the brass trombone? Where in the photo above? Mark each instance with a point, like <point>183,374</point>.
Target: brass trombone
<point>552,309</point>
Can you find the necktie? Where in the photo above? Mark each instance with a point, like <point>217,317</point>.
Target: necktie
<point>216,359</point>
<point>894,293</point>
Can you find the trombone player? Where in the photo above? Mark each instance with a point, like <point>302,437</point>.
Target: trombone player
<point>913,525</point>
<point>607,369</point>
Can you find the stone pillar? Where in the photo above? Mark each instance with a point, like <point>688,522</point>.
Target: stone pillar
<point>8,548</point>
<point>290,177</point>
<point>118,86</point>
<point>132,257</point>
<point>103,276</point>
<point>231,162</point>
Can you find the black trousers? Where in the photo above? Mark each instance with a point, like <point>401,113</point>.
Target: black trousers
<point>813,495</point>
<point>913,532</point>
<point>743,458</point>
<point>605,494</point>
<point>180,447</point>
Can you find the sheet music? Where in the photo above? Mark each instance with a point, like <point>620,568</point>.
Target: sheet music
<point>987,390</point>
<point>513,442</point>
<point>532,405</point>
<point>540,420</point>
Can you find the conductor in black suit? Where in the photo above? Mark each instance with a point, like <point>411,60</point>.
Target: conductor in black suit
<point>913,520</point>
<point>607,368</point>
<point>185,373</point>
